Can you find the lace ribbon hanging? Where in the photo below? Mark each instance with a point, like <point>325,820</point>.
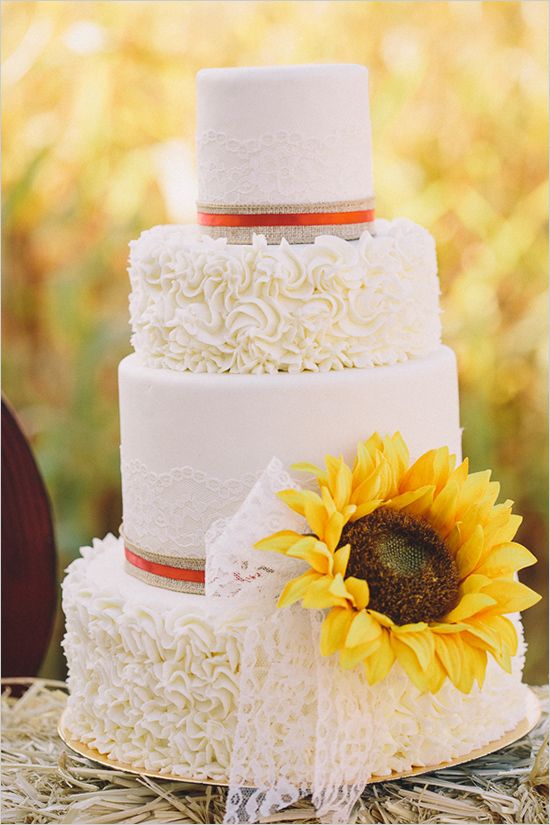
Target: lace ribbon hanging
<point>304,726</point>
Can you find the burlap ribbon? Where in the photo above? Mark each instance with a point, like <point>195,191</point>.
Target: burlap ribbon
<point>297,223</point>
<point>182,573</point>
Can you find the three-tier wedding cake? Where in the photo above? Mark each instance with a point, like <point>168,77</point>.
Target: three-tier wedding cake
<point>288,323</point>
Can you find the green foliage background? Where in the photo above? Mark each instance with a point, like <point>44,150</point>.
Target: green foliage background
<point>98,130</point>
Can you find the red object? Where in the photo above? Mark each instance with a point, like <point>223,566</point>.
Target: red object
<point>287,219</point>
<point>29,590</point>
<point>164,570</point>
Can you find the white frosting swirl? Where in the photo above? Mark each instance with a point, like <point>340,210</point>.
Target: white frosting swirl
<point>203,305</point>
<point>154,681</point>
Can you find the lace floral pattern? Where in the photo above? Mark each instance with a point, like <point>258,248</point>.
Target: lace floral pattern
<point>280,167</point>
<point>233,567</point>
<point>171,512</point>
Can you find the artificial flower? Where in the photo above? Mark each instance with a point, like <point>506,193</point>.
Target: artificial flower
<point>414,563</point>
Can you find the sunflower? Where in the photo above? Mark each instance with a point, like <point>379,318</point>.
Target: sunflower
<point>415,564</point>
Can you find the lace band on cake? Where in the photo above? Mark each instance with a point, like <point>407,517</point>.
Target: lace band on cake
<point>297,223</point>
<point>186,575</point>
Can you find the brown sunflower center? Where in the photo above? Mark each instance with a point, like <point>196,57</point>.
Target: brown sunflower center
<point>412,576</point>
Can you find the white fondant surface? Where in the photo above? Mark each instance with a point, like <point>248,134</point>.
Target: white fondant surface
<point>284,134</point>
<point>192,444</point>
<point>203,305</point>
<point>154,681</point>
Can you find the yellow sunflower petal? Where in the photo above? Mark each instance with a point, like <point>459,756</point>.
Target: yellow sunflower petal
<point>341,559</point>
<point>421,506</point>
<point>449,654</point>
<point>435,675</point>
<point>409,662</point>
<point>469,668</point>
<point>363,630</point>
<point>311,469</point>
<point>359,589</point>
<point>478,660</point>
<point>296,589</point>
<point>505,559</point>
<point>370,486</point>
<point>279,542</point>
<point>469,605</point>
<point>504,630</point>
<point>473,490</point>
<point>401,453</point>
<point>491,494</point>
<point>502,524</point>
<point>434,467</point>
<point>296,499</point>
<point>351,656</point>
<point>320,594</point>
<point>502,657</point>
<point>457,649</point>
<point>338,588</point>
<point>314,552</point>
<point>366,509</point>
<point>335,629</point>
<point>443,510</point>
<point>412,627</point>
<point>421,643</point>
<point>381,618</point>
<point>333,531</point>
<point>446,629</point>
<point>474,583</point>
<point>403,501</point>
<point>328,501</point>
<point>481,634</point>
<point>510,596</point>
<point>380,662</point>
<point>454,540</point>
<point>338,479</point>
<point>316,515</point>
<point>469,554</point>
<point>366,460</point>
<point>460,474</point>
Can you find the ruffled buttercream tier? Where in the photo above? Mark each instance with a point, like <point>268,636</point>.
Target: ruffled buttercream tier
<point>204,305</point>
<point>154,681</point>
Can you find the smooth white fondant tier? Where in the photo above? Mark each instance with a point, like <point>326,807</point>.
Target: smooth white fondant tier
<point>154,682</point>
<point>193,444</point>
<point>283,134</point>
<point>204,305</point>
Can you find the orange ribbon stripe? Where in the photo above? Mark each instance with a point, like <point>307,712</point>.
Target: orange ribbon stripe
<point>164,570</point>
<point>287,219</point>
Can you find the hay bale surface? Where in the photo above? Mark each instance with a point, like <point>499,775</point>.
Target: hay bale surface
<point>43,782</point>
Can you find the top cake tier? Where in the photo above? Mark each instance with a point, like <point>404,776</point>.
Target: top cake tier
<point>285,151</point>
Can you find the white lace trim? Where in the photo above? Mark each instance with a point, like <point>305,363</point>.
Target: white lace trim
<point>279,167</point>
<point>170,512</point>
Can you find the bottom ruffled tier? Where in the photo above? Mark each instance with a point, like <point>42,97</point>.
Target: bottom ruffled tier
<point>155,683</point>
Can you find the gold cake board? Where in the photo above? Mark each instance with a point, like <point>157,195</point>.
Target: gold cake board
<point>532,716</point>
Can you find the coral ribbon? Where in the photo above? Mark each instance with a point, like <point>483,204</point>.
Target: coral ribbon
<point>287,219</point>
<point>164,570</point>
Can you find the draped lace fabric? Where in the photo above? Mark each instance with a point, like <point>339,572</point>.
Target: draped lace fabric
<point>233,567</point>
<point>171,512</point>
<point>304,726</point>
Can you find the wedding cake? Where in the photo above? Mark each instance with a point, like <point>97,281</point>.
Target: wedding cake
<point>288,324</point>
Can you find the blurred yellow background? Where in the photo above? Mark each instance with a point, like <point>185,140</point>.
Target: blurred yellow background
<point>98,130</point>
